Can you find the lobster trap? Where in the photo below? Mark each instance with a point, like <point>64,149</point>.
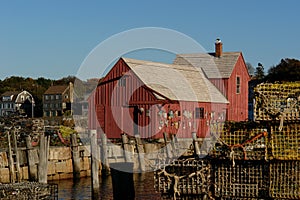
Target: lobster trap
<point>284,180</point>
<point>29,191</point>
<point>244,179</point>
<point>184,178</point>
<point>285,143</point>
<point>277,101</point>
<point>241,145</point>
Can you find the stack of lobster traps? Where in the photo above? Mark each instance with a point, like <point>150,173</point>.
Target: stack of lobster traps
<point>239,165</point>
<point>284,161</point>
<point>184,179</point>
<point>277,102</point>
<point>251,160</point>
<point>278,106</point>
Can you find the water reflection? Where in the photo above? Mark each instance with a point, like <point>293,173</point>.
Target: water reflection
<point>143,183</point>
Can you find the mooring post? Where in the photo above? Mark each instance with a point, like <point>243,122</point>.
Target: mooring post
<point>105,161</point>
<point>169,154</point>
<point>173,145</point>
<point>10,158</point>
<point>32,167</point>
<point>43,158</point>
<point>75,157</point>
<point>195,144</point>
<point>95,165</point>
<point>126,148</point>
<point>140,151</point>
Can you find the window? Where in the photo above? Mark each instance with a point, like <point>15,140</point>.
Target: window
<point>122,82</point>
<point>57,96</point>
<point>199,113</point>
<point>52,97</point>
<point>238,85</point>
<point>46,97</point>
<point>66,96</point>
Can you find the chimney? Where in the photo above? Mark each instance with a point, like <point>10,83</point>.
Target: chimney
<point>218,47</point>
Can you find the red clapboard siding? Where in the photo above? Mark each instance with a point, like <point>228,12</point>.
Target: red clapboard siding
<point>117,107</point>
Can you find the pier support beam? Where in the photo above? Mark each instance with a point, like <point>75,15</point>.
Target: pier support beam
<point>32,167</point>
<point>75,157</point>
<point>95,165</point>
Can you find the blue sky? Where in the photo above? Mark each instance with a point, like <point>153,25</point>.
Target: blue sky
<point>52,38</point>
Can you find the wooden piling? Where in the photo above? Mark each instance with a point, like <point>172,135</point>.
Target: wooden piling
<point>195,144</point>
<point>105,161</point>
<point>43,158</point>
<point>16,160</point>
<point>168,148</point>
<point>32,167</point>
<point>10,159</point>
<point>75,157</point>
<point>173,145</point>
<point>95,165</point>
<point>126,148</point>
<point>140,151</point>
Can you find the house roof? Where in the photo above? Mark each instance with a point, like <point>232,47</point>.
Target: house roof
<point>176,82</point>
<point>214,67</point>
<point>56,89</point>
<point>11,93</point>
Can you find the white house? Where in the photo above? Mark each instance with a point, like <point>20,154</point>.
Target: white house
<point>16,102</point>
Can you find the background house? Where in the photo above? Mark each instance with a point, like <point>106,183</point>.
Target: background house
<point>16,102</point>
<point>57,100</point>
<point>149,98</point>
<point>228,72</point>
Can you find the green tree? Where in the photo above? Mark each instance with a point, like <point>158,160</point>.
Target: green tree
<point>259,72</point>
<point>287,70</point>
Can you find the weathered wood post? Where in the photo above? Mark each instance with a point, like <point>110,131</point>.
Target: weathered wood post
<point>95,165</point>
<point>140,151</point>
<point>173,145</point>
<point>17,160</point>
<point>75,157</point>
<point>32,167</point>
<point>43,158</point>
<point>105,161</point>
<point>126,148</point>
<point>168,149</point>
<point>10,159</point>
<point>195,144</point>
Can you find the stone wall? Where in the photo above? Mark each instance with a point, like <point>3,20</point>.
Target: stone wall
<point>59,163</point>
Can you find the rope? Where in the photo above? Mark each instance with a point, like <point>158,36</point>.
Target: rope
<point>276,111</point>
<point>231,147</point>
<point>177,178</point>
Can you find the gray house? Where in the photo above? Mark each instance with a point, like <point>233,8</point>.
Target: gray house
<point>57,100</point>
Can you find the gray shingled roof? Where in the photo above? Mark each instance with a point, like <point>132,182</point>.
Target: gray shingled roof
<point>176,82</point>
<point>214,67</point>
<point>56,89</point>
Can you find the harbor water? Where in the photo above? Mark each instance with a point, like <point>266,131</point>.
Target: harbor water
<point>81,189</point>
